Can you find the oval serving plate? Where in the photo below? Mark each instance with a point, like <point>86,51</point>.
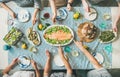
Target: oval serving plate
<point>24,62</point>
<point>57,42</point>
<point>30,41</point>
<point>115,36</point>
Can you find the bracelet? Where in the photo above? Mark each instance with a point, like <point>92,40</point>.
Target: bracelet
<point>70,3</point>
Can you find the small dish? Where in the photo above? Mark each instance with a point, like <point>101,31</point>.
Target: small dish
<point>106,17</point>
<point>61,14</point>
<point>33,49</point>
<point>10,22</point>
<point>24,61</point>
<point>23,16</point>
<point>92,15</point>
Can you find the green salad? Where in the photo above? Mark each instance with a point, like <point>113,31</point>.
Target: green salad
<point>13,36</point>
<point>57,28</point>
<point>52,41</point>
<point>106,36</point>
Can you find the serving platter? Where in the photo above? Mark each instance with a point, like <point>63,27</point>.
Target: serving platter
<point>87,32</point>
<point>54,34</point>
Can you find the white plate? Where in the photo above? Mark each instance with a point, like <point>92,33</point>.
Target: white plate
<point>61,14</point>
<point>92,15</point>
<point>24,62</point>
<point>58,61</point>
<point>23,16</point>
<point>99,58</point>
<point>59,44</point>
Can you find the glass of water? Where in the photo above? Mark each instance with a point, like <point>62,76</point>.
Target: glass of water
<point>74,52</point>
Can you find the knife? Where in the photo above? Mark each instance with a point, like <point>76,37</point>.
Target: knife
<point>94,49</point>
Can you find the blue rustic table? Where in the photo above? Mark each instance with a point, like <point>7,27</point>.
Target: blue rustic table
<point>79,62</point>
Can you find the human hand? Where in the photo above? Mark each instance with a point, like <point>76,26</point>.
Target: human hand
<point>14,61</point>
<point>48,54</point>
<point>86,6</point>
<point>60,51</point>
<point>69,7</point>
<point>115,29</point>
<point>34,19</point>
<point>12,14</point>
<point>34,65</point>
<point>79,44</point>
<point>54,18</point>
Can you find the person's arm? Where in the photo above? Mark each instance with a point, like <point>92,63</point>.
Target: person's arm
<point>34,17</point>
<point>65,61</point>
<point>9,67</point>
<point>88,55</point>
<point>47,67</point>
<point>69,4</point>
<point>37,72</point>
<point>37,6</point>
<point>3,5</point>
<point>54,10</point>
<point>86,5</point>
<point>115,23</point>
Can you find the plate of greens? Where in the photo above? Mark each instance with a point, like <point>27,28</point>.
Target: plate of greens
<point>58,35</point>
<point>107,36</point>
